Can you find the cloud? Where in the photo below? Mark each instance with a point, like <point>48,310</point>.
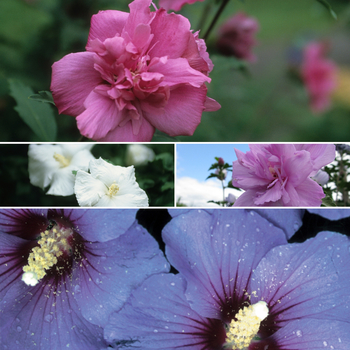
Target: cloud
<point>194,193</point>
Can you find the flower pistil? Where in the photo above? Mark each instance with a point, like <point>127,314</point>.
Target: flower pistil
<point>245,325</point>
<point>53,243</point>
<point>61,159</point>
<point>113,190</point>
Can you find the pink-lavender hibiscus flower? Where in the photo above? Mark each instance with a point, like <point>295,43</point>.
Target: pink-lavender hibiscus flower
<point>141,71</point>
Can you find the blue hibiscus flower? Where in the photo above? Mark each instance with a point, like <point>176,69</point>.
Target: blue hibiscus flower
<point>240,286</point>
<point>62,272</point>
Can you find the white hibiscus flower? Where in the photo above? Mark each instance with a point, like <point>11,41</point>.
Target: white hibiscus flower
<point>109,185</point>
<point>52,165</point>
<point>139,155</point>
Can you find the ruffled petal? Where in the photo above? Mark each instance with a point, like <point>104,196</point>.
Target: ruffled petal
<point>88,189</point>
<point>73,79</point>
<point>310,194</point>
<point>178,71</point>
<point>100,116</point>
<point>106,24</point>
<point>125,133</point>
<point>171,35</point>
<point>182,114</point>
<point>62,183</point>
<point>41,164</point>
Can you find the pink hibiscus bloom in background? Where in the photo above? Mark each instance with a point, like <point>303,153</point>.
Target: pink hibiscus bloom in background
<point>141,71</point>
<point>280,175</point>
<point>319,76</point>
<point>236,37</point>
<point>175,5</point>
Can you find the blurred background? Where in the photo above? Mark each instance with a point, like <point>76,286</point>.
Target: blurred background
<point>155,176</point>
<point>261,101</point>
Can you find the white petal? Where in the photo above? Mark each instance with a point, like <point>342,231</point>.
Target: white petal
<point>88,190</point>
<point>81,160</point>
<point>62,183</point>
<point>70,149</point>
<point>41,164</point>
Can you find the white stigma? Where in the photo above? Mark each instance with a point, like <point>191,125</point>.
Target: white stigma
<point>261,310</point>
<point>245,326</point>
<point>30,278</point>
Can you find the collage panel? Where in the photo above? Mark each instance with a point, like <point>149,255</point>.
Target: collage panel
<point>87,175</point>
<point>174,279</point>
<point>262,175</point>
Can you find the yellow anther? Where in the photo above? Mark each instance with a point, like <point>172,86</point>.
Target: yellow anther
<point>113,190</point>
<point>42,258</point>
<point>61,159</point>
<point>245,326</point>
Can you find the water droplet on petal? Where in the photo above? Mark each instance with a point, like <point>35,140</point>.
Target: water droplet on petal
<point>155,331</point>
<point>325,343</point>
<point>299,333</point>
<point>19,329</point>
<point>48,318</point>
<point>77,289</point>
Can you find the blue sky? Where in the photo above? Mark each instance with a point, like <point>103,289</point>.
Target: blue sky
<point>194,160</point>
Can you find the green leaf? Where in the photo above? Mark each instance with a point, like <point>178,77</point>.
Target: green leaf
<point>43,96</point>
<point>328,7</point>
<point>211,175</point>
<point>328,202</point>
<point>167,186</point>
<point>38,116</point>
<point>160,136</point>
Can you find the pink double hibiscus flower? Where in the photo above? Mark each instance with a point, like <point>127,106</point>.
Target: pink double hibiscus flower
<point>280,174</point>
<point>141,71</point>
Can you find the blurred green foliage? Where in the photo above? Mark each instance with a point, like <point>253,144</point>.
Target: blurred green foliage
<point>264,105</point>
<point>156,177</point>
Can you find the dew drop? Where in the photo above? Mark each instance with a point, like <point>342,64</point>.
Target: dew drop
<point>77,289</point>
<point>18,320</point>
<point>48,318</point>
<point>19,329</point>
<point>155,331</point>
<point>325,343</point>
<point>299,333</point>
<point>257,229</point>
<point>98,281</point>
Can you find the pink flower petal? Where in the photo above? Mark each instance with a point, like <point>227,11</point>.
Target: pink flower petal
<point>101,116</point>
<point>171,35</point>
<point>177,71</point>
<point>182,114</point>
<point>175,4</point>
<point>211,105</point>
<point>125,133</point>
<point>106,24</point>
<point>73,78</point>
<point>139,14</point>
<point>310,194</point>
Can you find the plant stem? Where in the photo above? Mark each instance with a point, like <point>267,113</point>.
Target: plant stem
<point>217,15</point>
